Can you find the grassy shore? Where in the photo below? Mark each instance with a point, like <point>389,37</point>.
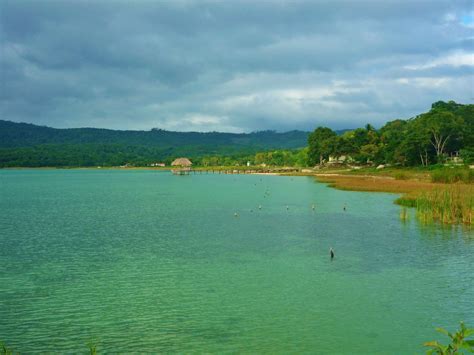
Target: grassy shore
<point>449,202</point>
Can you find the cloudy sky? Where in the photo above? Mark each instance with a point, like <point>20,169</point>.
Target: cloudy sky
<point>234,66</point>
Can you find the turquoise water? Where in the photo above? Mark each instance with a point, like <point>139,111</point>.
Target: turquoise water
<point>147,261</point>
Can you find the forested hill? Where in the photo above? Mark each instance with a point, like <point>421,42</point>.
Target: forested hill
<point>15,135</point>
<point>28,145</point>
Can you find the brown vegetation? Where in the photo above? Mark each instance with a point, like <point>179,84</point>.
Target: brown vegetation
<point>444,203</point>
<point>374,183</point>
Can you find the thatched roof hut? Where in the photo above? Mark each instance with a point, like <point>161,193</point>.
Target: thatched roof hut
<point>182,162</point>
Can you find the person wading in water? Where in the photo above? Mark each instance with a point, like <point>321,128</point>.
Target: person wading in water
<point>331,252</point>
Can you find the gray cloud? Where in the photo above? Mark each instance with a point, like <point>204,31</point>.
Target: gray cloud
<point>231,66</point>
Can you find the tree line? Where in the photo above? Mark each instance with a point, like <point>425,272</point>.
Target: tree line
<point>447,129</point>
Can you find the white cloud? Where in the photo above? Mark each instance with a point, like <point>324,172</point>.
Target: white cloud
<point>424,81</point>
<point>453,60</point>
<point>231,66</point>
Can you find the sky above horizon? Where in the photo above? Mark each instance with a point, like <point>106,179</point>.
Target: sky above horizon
<point>232,66</point>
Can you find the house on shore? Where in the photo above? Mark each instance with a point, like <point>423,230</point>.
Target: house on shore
<point>182,162</point>
<point>182,165</point>
<point>343,159</point>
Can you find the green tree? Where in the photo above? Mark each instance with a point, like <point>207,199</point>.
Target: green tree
<point>317,148</point>
<point>369,153</point>
<point>301,158</point>
<point>392,135</point>
<point>442,127</point>
<point>416,145</point>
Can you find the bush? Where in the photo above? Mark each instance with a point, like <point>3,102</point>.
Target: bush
<point>459,341</point>
<point>467,155</point>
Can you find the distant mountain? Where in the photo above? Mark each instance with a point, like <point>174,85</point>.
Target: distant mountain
<point>14,134</point>
<point>24,144</point>
<point>28,145</point>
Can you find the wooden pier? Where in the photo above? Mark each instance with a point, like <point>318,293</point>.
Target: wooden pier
<point>189,171</point>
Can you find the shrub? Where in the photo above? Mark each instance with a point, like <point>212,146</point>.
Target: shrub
<point>467,155</point>
<point>459,341</point>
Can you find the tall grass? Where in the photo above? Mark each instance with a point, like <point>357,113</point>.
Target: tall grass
<point>4,350</point>
<point>401,175</point>
<point>404,214</point>
<point>449,205</point>
<point>453,175</point>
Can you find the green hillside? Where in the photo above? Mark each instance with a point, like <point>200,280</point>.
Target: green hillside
<point>14,134</point>
<point>23,144</point>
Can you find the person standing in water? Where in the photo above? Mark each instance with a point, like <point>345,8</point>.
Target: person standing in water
<point>331,252</point>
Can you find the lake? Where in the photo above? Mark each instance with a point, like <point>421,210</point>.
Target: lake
<point>137,260</point>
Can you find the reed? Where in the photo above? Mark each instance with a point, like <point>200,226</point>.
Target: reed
<point>404,214</point>
<point>92,348</point>
<point>451,204</point>
<point>453,175</point>
<point>4,350</point>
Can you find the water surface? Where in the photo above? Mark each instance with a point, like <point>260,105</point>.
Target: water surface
<point>148,261</point>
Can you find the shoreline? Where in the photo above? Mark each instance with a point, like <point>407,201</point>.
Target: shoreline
<point>412,186</point>
<point>342,179</point>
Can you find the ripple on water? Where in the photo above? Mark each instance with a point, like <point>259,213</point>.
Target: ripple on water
<point>145,261</point>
